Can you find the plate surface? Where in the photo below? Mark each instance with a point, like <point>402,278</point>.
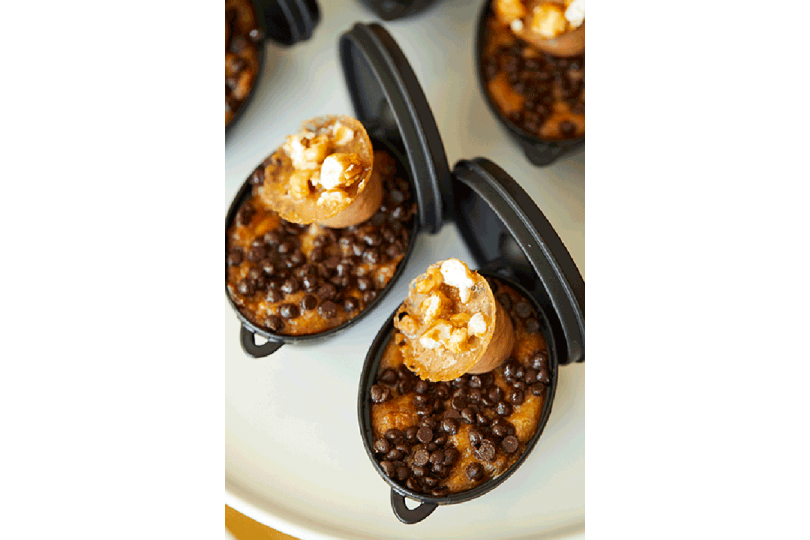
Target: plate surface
<point>293,453</point>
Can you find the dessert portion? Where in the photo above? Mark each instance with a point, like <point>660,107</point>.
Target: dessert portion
<point>292,279</point>
<point>437,438</point>
<point>451,324</point>
<point>242,41</point>
<point>324,174</point>
<point>540,92</point>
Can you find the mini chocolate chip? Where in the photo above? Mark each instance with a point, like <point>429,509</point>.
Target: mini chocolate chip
<point>458,403</point>
<point>425,435</point>
<point>351,304</point>
<point>500,428</point>
<point>257,178</point>
<point>274,323</point>
<point>481,419</point>
<point>475,436</point>
<point>538,389</point>
<point>542,376</point>
<point>442,391</point>
<point>413,485</point>
<point>503,408</point>
<point>421,457</point>
<point>475,381</point>
<point>369,296</point>
<point>380,393</point>
<point>539,361</point>
<point>269,267</point>
<point>468,416</point>
<point>474,395</point>
<point>236,256</point>
<point>344,269</point>
<point>403,473</point>
<point>286,247</point>
<point>474,471</point>
<point>327,292</point>
<point>450,426</point>
<point>388,376</point>
<point>450,455</point>
<point>440,439</point>
<point>510,444</point>
<point>420,400</point>
<point>288,311</point>
<point>332,262</point>
<point>439,469</point>
<point>421,387</point>
<point>289,286</point>
<point>309,302</point>
<point>495,394</point>
<point>523,309</point>
<point>451,413</point>
<point>364,283</point>
<point>510,368</point>
<point>419,471</point>
<point>437,457</point>
<point>246,287</point>
<point>429,481</point>
<point>316,255</point>
<point>394,455</point>
<point>381,446</point>
<point>532,326</point>
<point>388,468</point>
<point>394,251</point>
<point>404,386</point>
<point>400,213</point>
<point>256,254</point>
<point>486,450</point>
<point>531,376</point>
<point>273,296</point>
<point>519,385</point>
<point>394,435</point>
<point>440,491</point>
<point>328,309</point>
<point>431,446</point>
<point>272,238</point>
<point>428,422</point>
<point>504,300</point>
<point>296,259</point>
<point>255,273</point>
<point>516,397</point>
<point>410,434</point>
<point>372,256</point>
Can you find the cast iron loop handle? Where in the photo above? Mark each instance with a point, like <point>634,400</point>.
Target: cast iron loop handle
<point>407,516</point>
<point>252,349</point>
<point>542,155</point>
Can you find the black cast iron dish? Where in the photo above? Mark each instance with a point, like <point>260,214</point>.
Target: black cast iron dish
<point>538,151</point>
<point>285,22</point>
<point>508,235</point>
<point>389,10</point>
<point>275,341</point>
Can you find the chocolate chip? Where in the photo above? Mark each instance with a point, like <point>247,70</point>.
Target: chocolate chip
<point>481,419</point>
<point>327,292</point>
<point>369,296</point>
<point>440,491</point>
<point>439,469</point>
<point>468,416</point>
<point>475,381</point>
<point>437,457</point>
<point>510,444</point>
<point>394,455</point>
<point>364,283</point>
<point>519,385</point>
<point>286,247</point>
<point>419,471</point>
<point>328,309</point>
<point>235,256</point>
<point>485,451</point>
<point>431,447</point>
<point>344,269</point>
<point>429,481</point>
<point>458,403</point>
<point>256,254</point>
<point>388,468</point>
<point>289,286</point>
<point>331,263</point>
<point>420,457</point>
<point>413,485</point>
<point>404,386</point>
<point>523,309</point>
<point>388,376</point>
<point>475,436</point>
<point>504,300</point>
<point>424,435</point>
<point>394,435</point>
<point>500,427</point>
<point>474,471</point>
<point>451,413</point>
<point>381,446</point>
<point>510,369</point>
<point>531,376</point>
<point>372,256</point>
<point>442,391</point>
<point>273,296</point>
<point>257,178</point>
<point>380,393</point>
<point>421,387</point>
<point>538,389</point>
<point>450,426</point>
<point>288,311</point>
<point>567,128</point>
<point>309,302</point>
<point>246,287</point>
<point>296,259</point>
<point>474,395</point>
<point>515,397</point>
<point>503,408</point>
<point>495,394</point>
<point>403,473</point>
<point>532,326</point>
<point>350,304</point>
<point>274,323</point>
<point>540,361</point>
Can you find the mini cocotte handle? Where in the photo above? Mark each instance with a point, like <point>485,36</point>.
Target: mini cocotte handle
<point>406,515</point>
<point>252,349</point>
<point>289,21</point>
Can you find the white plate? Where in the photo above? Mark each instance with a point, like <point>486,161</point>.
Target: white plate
<point>294,458</point>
